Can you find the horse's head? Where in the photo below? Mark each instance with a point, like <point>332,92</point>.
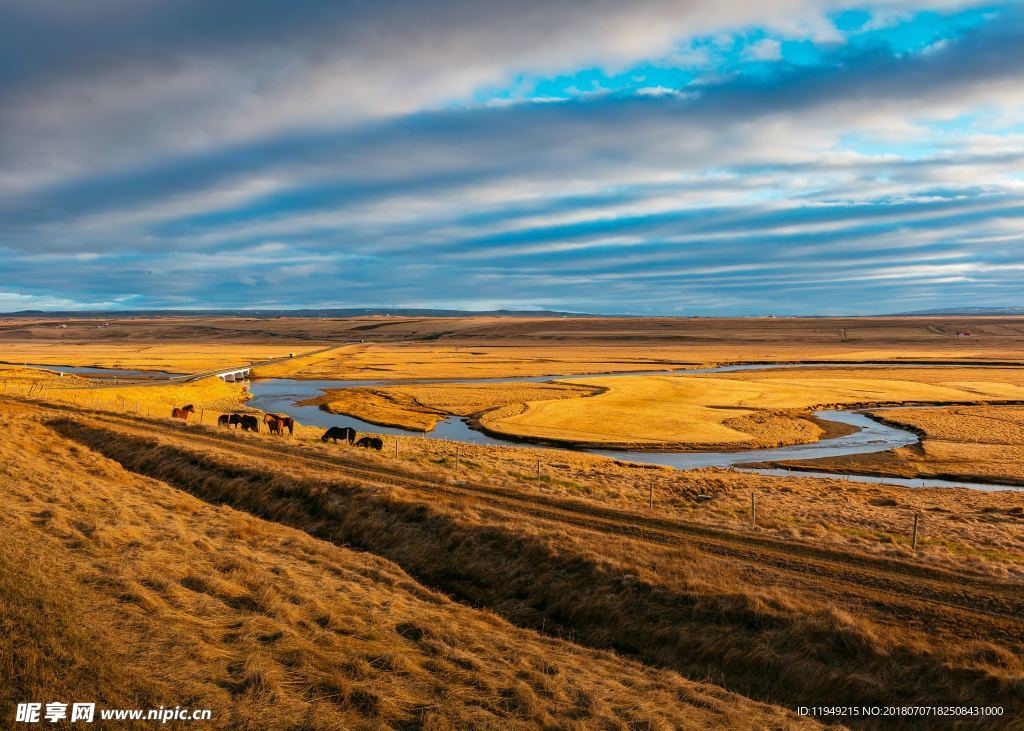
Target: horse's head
<point>190,407</point>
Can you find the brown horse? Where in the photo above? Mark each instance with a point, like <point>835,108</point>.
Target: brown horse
<point>286,422</point>
<point>275,425</point>
<point>183,412</point>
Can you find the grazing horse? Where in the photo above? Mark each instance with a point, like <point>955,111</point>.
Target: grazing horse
<point>250,423</point>
<point>337,432</point>
<point>287,422</point>
<point>228,420</point>
<point>183,412</point>
<point>275,425</point>
<point>371,443</point>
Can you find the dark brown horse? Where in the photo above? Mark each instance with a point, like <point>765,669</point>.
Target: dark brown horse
<point>274,424</point>
<point>287,422</point>
<point>183,412</point>
<point>370,443</point>
<point>249,423</point>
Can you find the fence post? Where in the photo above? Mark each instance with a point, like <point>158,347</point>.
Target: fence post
<point>917,517</point>
<point>457,457</point>
<point>538,469</point>
<point>396,446</point>
<point>201,412</point>
<point>650,496</point>
<point>753,510</point>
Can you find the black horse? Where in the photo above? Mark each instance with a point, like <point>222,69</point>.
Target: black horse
<point>338,432</point>
<point>250,423</point>
<point>229,420</point>
<point>371,443</point>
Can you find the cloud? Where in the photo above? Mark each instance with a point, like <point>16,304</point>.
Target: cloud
<point>335,154</point>
<point>766,49</point>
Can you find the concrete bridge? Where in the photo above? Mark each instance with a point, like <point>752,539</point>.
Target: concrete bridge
<point>234,374</point>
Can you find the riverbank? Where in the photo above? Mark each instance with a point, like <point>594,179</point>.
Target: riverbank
<point>970,443</point>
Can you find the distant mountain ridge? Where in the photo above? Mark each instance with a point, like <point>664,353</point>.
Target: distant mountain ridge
<point>963,311</point>
<point>328,312</point>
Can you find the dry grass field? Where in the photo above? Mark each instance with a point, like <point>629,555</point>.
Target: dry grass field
<point>286,583</point>
<point>420,407</point>
<point>971,443</point>
<point>195,357</point>
<point>965,528</point>
<point>399,361</point>
<point>468,347</point>
<point>210,396</point>
<point>744,409</point>
<point>256,613</point>
<point>132,593</point>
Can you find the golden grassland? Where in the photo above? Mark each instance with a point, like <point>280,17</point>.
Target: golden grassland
<point>398,361</point>
<point>17,377</point>
<point>419,407</point>
<point>745,409</point>
<point>970,443</point>
<point>126,553</point>
<point>786,622</point>
<point>473,347</point>
<point>963,528</point>
<point>193,357</point>
<point>403,348</point>
<point>210,396</point>
<point>130,593</point>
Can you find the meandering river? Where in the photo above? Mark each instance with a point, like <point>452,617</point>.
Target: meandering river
<point>280,395</point>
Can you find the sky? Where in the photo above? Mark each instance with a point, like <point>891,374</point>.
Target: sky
<point>672,157</point>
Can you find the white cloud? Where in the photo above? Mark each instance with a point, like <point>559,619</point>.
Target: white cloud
<point>766,49</point>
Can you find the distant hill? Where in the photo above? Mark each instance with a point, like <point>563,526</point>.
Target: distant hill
<point>349,312</point>
<point>963,311</point>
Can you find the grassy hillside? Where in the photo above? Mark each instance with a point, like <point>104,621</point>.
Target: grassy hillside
<point>785,622</point>
<point>120,589</point>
